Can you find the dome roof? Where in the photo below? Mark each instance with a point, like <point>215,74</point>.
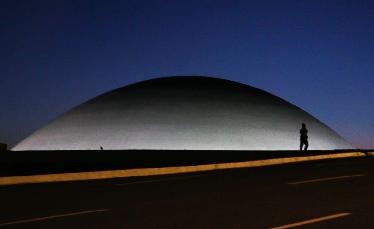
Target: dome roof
<point>193,113</point>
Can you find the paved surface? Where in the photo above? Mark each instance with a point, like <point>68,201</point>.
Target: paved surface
<point>324,194</point>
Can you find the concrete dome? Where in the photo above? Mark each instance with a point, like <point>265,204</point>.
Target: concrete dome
<point>193,113</point>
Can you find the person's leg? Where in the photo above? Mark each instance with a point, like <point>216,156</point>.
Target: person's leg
<point>301,144</point>
<point>306,145</point>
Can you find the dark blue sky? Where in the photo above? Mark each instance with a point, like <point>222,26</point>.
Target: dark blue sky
<point>318,55</point>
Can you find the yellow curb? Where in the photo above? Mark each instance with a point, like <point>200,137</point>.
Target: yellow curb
<point>166,170</point>
<point>370,153</point>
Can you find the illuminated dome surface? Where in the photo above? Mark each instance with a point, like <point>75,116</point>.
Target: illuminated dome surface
<point>176,113</point>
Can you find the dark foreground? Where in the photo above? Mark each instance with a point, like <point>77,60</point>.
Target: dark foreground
<point>13,163</point>
<point>243,198</point>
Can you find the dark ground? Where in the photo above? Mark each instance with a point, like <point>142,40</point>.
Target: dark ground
<point>240,198</point>
<point>41,162</point>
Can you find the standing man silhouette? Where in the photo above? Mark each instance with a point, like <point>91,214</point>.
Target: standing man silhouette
<point>303,137</point>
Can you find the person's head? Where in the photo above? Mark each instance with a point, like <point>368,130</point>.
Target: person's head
<point>303,125</point>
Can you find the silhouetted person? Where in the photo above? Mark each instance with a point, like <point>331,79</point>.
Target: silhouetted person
<point>303,137</point>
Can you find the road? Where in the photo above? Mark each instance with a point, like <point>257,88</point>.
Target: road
<point>323,194</point>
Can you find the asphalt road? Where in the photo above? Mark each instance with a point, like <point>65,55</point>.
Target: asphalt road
<point>323,194</point>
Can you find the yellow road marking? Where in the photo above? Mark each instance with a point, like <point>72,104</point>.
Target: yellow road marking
<point>59,177</point>
<point>51,217</point>
<point>326,179</point>
<point>370,153</point>
<point>312,221</point>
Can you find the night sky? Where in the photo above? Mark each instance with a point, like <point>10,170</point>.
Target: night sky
<point>318,55</point>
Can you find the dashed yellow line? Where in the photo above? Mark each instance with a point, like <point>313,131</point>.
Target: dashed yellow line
<point>329,217</point>
<point>51,217</point>
<point>326,179</point>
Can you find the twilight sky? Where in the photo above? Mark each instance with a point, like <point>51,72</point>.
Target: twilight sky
<point>318,55</point>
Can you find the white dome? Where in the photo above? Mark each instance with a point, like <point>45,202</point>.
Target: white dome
<point>176,113</point>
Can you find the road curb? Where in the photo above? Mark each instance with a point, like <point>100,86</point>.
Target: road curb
<point>79,176</point>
